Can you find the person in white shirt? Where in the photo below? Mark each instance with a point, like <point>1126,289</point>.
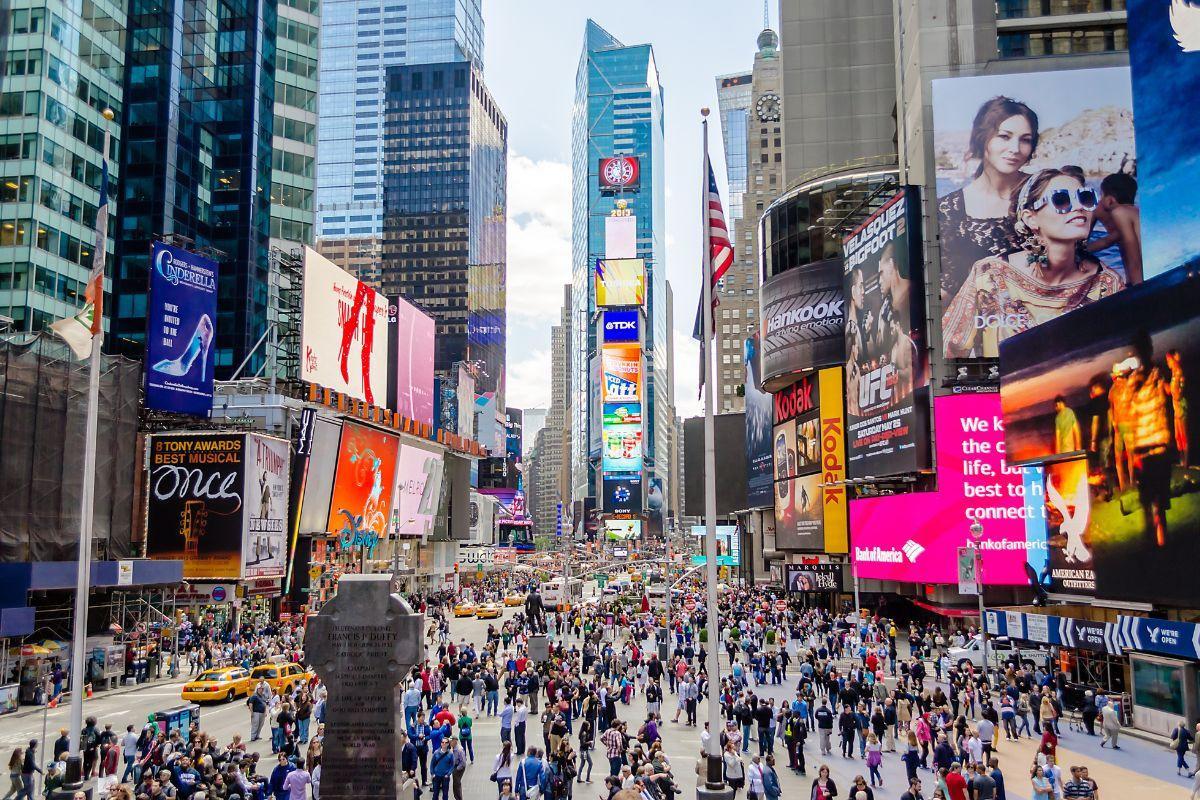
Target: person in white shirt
<point>754,778</point>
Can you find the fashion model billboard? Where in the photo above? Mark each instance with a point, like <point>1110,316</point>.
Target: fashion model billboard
<point>418,491</point>
<point>1111,383</point>
<point>265,540</point>
<point>1164,59</point>
<point>914,537</point>
<point>196,502</point>
<point>758,431</point>
<point>362,486</point>
<point>413,359</point>
<point>803,319</point>
<point>620,282</point>
<point>344,332</point>
<point>887,364</point>
<point>1036,203</point>
<point>180,329</point>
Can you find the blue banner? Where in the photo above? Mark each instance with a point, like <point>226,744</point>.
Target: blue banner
<point>1165,67</point>
<point>1169,637</point>
<point>181,325</point>
<point>621,326</point>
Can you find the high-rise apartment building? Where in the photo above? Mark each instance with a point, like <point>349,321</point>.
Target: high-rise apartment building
<point>60,67</point>
<point>360,40</point>
<point>733,106</point>
<point>618,112</point>
<point>445,198</point>
<point>294,132</point>
<point>760,150</point>
<point>196,160</point>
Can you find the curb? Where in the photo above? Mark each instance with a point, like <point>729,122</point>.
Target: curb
<point>29,711</point>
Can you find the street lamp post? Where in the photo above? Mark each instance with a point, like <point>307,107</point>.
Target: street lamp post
<point>976,530</point>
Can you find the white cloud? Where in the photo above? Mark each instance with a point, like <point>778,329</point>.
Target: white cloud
<point>539,237</point>
<point>528,384</point>
<point>688,403</point>
<point>539,264</point>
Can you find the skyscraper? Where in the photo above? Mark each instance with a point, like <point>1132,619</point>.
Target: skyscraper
<point>360,40</point>
<point>51,137</point>
<point>196,162</point>
<point>618,113</point>
<point>733,104</point>
<point>760,151</point>
<point>445,197</point>
<point>294,144</point>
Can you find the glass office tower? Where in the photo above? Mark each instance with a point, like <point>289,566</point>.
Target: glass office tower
<point>199,97</point>
<point>618,111</point>
<point>60,67</point>
<point>360,40</point>
<point>445,198</point>
<point>294,144</point>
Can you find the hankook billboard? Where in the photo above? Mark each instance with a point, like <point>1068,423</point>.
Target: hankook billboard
<point>803,319</point>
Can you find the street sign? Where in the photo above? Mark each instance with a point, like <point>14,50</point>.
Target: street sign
<point>781,605</point>
<point>689,604</point>
<point>315,571</point>
<point>968,577</point>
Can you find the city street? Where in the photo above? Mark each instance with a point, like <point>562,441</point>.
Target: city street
<point>1140,769</point>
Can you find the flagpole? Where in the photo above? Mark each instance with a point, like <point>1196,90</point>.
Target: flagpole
<point>715,787</point>
<point>74,771</point>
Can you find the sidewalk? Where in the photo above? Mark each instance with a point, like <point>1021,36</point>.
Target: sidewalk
<point>29,711</point>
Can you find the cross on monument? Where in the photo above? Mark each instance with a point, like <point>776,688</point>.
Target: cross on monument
<point>362,643</point>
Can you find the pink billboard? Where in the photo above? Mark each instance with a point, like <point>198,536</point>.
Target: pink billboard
<point>915,537</point>
<point>414,332</point>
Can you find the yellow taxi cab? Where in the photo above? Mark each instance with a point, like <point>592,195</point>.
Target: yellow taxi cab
<point>281,676</point>
<point>514,599</point>
<point>464,610</point>
<point>221,683</point>
<point>489,611</point>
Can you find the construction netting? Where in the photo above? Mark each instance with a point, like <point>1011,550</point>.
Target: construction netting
<point>43,409</point>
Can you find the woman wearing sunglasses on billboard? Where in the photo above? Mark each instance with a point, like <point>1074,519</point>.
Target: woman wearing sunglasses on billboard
<point>1051,274</point>
<point>974,221</point>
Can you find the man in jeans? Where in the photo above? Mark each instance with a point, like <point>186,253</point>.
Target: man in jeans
<point>441,767</point>
<point>129,750</point>
<point>614,744</point>
<point>258,713</point>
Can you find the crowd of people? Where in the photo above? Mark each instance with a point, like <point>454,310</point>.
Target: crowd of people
<point>797,685</point>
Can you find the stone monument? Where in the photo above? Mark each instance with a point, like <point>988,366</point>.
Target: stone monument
<point>362,644</point>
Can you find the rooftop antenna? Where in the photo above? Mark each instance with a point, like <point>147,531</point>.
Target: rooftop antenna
<point>766,15</point>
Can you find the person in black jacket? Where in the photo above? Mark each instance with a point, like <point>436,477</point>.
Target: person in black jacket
<point>824,718</point>
<point>847,725</point>
<point>28,767</point>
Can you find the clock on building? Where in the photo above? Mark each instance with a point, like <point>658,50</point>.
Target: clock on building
<point>767,107</point>
<point>619,173</point>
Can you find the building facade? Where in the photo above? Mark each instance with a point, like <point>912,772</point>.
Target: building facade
<point>445,198</point>
<point>618,112</point>
<point>360,40</point>
<point>294,132</point>
<point>198,123</point>
<point>62,67</point>
<point>733,106</point>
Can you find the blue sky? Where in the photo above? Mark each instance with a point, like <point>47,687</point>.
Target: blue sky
<point>532,49</point>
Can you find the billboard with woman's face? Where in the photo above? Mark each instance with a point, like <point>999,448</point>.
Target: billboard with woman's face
<point>1036,187</point>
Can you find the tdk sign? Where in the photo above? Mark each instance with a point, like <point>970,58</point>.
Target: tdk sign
<point>621,326</point>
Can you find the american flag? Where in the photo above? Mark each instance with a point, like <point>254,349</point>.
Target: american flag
<point>719,248</point>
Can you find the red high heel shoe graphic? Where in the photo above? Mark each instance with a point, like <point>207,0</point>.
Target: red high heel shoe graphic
<point>364,296</point>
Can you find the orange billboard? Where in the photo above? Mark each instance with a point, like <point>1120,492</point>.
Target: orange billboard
<point>622,366</point>
<point>362,486</point>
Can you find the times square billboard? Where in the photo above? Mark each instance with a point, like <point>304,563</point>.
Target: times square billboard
<point>887,363</point>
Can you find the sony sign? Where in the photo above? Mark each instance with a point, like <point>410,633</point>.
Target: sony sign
<point>621,326</point>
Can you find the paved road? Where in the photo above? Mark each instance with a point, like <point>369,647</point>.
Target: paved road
<point>1140,770</point>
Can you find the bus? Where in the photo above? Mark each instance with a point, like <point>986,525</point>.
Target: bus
<point>554,597</point>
